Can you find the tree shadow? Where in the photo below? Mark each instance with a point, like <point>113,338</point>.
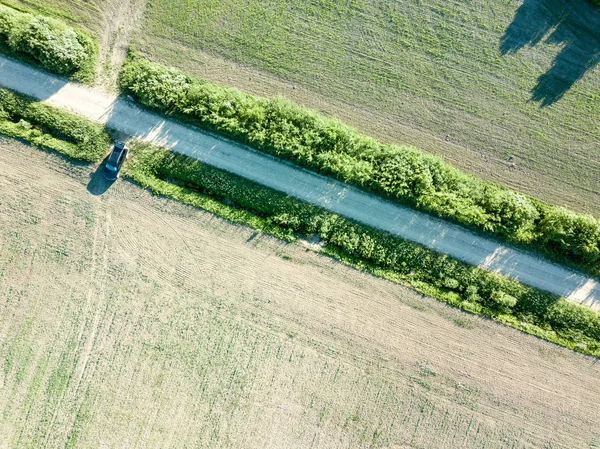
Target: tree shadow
<point>574,24</point>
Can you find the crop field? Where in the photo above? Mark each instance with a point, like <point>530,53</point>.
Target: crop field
<point>128,320</point>
<point>505,90</point>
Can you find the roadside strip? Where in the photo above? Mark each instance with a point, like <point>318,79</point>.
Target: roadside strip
<point>335,196</point>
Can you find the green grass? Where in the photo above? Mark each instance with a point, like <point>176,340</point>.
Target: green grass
<point>85,13</point>
<point>469,288</point>
<point>436,74</point>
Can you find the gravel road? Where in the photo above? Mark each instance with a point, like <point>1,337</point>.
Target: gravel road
<point>340,198</point>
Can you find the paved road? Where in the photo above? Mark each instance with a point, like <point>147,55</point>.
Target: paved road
<point>333,195</point>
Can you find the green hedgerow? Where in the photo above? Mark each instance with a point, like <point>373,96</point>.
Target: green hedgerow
<point>48,42</point>
<point>50,127</point>
<point>478,290</point>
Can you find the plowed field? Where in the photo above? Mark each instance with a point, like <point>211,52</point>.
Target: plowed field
<point>128,320</point>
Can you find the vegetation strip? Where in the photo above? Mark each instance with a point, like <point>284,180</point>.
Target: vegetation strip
<point>284,129</point>
<point>240,200</point>
<point>48,42</point>
<point>472,81</point>
<point>48,127</point>
<point>461,285</point>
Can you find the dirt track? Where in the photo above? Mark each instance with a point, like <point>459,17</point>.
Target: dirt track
<point>121,20</point>
<point>335,196</point>
<point>133,321</point>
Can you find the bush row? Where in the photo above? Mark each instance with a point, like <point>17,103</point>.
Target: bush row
<point>468,287</point>
<point>49,43</point>
<point>53,128</point>
<point>287,130</point>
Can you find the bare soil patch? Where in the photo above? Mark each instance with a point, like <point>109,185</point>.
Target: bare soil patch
<point>133,321</point>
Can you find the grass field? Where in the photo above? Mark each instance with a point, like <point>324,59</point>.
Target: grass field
<point>132,321</point>
<point>85,13</point>
<point>477,81</point>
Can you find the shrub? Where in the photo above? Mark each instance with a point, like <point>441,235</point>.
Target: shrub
<point>451,283</point>
<point>49,127</point>
<point>284,129</point>
<point>566,232</point>
<point>503,299</point>
<point>480,291</point>
<point>48,42</point>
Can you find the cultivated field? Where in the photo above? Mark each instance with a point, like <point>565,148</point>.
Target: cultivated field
<point>133,321</point>
<point>477,81</point>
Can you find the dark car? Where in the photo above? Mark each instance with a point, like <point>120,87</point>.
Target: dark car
<point>115,160</point>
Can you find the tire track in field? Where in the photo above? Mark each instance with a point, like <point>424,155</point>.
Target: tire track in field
<point>81,339</point>
<point>121,20</point>
<point>146,250</point>
<point>173,242</point>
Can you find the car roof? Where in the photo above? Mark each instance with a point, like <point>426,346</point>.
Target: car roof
<point>113,159</point>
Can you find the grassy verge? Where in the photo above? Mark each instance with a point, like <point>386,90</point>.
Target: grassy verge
<point>49,43</point>
<point>284,129</point>
<point>51,128</point>
<point>469,288</point>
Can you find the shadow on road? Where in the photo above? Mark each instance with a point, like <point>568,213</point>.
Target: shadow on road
<point>98,184</point>
<point>574,24</point>
<point>41,84</point>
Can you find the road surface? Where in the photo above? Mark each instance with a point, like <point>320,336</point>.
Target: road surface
<point>335,196</point>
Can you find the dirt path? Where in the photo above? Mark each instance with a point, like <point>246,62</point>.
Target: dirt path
<point>122,20</point>
<point>128,320</point>
<point>335,196</point>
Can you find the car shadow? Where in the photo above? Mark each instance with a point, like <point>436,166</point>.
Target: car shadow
<point>98,184</point>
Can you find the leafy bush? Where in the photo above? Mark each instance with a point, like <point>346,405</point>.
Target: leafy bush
<point>503,299</point>
<point>50,127</point>
<point>471,288</point>
<point>567,232</point>
<point>286,130</point>
<point>48,42</point>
